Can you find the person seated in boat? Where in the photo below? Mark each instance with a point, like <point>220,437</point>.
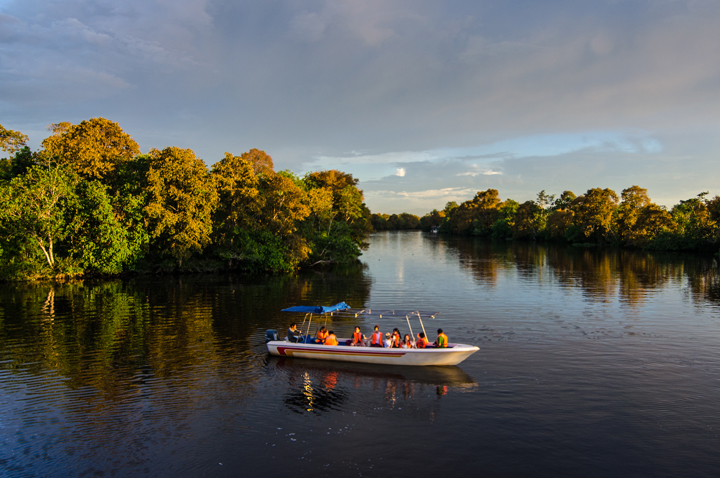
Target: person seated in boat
<point>376,339</point>
<point>321,335</point>
<point>442,340</point>
<point>331,339</point>
<point>292,333</point>
<point>396,338</point>
<point>421,341</point>
<point>358,339</point>
<point>387,343</point>
<point>407,342</point>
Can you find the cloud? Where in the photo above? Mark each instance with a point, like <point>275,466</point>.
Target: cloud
<point>476,173</point>
<point>400,172</point>
<point>458,95</point>
<point>439,194</point>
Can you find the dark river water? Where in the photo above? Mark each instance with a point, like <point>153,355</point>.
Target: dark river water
<point>592,362</point>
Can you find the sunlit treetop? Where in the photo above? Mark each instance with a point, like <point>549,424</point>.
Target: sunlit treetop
<point>11,141</point>
<point>261,162</point>
<point>95,148</point>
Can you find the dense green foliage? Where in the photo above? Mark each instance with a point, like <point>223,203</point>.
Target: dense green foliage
<point>597,217</point>
<point>89,202</point>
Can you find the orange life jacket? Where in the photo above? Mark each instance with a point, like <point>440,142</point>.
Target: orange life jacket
<point>421,342</point>
<point>407,344</point>
<point>331,340</point>
<point>395,341</point>
<point>322,335</point>
<point>357,338</point>
<point>442,340</point>
<point>377,338</point>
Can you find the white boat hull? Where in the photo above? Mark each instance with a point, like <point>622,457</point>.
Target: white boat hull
<point>452,355</point>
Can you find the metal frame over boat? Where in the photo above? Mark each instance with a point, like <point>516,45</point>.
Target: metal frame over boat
<point>306,347</point>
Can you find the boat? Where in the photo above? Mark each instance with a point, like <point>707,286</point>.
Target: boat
<point>306,347</point>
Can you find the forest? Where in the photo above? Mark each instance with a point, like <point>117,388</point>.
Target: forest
<point>88,202</point>
<point>597,217</point>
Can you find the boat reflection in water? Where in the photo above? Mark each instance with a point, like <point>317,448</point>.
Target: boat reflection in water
<point>318,387</point>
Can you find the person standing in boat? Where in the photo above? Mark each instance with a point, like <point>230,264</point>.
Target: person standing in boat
<point>442,339</point>
<point>292,333</point>
<point>331,339</point>
<point>376,339</point>
<point>421,342</point>
<point>358,339</point>
<point>321,335</point>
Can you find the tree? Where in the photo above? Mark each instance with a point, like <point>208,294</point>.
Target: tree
<point>433,219</point>
<point>95,148</point>
<point>18,164</point>
<point>33,206</point>
<point>559,223</point>
<point>529,220</point>
<point>545,200</point>
<point>695,223</point>
<point>634,199</point>
<point>594,214</point>
<point>238,209</point>
<point>341,232</point>
<point>505,222</point>
<point>261,162</point>
<point>564,201</point>
<point>283,208</point>
<point>475,216</point>
<point>332,179</point>
<point>181,198</point>
<point>488,204</point>
<point>379,221</point>
<point>652,220</point>
<point>11,141</point>
<point>99,238</point>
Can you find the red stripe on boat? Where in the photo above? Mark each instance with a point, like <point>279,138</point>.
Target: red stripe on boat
<point>281,350</point>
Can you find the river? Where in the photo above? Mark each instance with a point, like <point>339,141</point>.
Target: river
<point>592,362</point>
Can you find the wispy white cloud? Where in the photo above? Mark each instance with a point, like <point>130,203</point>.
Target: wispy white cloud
<point>440,194</point>
<point>477,173</point>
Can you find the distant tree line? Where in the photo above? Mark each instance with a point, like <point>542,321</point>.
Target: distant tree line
<point>394,222</point>
<point>89,202</point>
<point>599,216</point>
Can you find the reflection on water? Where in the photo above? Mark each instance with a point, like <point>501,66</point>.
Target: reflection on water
<point>600,273</point>
<point>592,361</point>
<point>317,386</point>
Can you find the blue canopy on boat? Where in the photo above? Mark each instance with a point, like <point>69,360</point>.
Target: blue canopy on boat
<point>317,309</point>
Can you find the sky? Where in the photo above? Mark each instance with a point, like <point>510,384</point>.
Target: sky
<point>423,101</point>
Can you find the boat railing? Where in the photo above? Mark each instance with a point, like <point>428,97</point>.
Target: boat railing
<point>365,313</point>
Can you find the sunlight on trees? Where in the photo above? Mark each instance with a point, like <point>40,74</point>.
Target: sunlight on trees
<point>89,202</point>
